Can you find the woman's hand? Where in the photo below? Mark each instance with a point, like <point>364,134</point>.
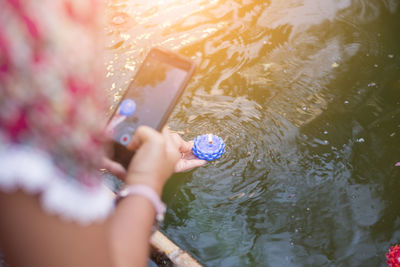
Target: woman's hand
<point>155,159</point>
<point>188,160</point>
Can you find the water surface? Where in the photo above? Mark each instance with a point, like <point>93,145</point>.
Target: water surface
<point>306,95</point>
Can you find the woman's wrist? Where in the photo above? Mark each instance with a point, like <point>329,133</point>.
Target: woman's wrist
<point>148,193</point>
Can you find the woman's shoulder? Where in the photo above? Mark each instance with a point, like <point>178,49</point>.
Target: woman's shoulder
<point>52,106</point>
<point>34,171</point>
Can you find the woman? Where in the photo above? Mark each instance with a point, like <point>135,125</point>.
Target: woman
<point>54,209</point>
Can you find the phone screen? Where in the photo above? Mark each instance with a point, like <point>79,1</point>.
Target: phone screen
<point>148,98</point>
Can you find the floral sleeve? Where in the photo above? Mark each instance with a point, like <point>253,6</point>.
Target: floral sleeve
<point>52,106</point>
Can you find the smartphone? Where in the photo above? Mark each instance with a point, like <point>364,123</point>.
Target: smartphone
<point>149,99</point>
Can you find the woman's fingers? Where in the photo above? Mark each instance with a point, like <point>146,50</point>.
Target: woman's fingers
<point>114,167</point>
<point>177,140</point>
<point>186,147</point>
<point>188,160</point>
<point>185,165</point>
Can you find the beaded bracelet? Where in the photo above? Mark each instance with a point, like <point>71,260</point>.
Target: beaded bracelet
<point>148,193</point>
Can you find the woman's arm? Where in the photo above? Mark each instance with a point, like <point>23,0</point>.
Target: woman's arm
<point>154,161</point>
<point>31,237</point>
<point>131,228</point>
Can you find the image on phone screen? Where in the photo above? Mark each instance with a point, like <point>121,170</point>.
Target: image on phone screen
<point>148,98</point>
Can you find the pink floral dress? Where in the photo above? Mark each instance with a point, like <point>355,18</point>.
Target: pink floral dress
<point>52,108</point>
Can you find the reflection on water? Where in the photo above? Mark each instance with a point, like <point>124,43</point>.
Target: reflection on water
<point>306,95</point>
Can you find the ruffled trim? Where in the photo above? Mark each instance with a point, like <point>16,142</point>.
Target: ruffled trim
<point>29,169</point>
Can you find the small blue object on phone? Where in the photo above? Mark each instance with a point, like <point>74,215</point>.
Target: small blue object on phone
<point>127,107</point>
<point>208,147</point>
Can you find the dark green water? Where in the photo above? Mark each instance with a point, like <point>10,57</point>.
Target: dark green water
<point>306,95</point>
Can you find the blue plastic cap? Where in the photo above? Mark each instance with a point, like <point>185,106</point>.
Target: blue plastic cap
<point>208,147</point>
<point>127,107</point>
